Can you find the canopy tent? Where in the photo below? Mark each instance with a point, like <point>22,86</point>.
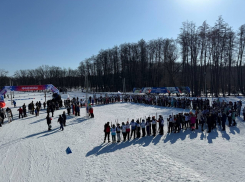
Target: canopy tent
<point>48,87</point>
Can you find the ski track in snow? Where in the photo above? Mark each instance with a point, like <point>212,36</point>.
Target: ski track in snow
<point>31,153</point>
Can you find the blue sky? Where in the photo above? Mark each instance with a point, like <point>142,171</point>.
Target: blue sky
<point>65,32</point>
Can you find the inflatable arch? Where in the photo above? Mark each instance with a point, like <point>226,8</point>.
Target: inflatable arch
<point>25,88</point>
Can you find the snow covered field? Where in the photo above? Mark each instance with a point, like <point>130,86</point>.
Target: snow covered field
<point>31,153</point>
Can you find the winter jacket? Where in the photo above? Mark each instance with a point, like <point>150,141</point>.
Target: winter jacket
<point>124,128</point>
<point>127,128</point>
<point>60,120</point>
<point>143,124</point>
<point>118,129</point>
<point>162,122</point>
<point>107,128</point>
<point>243,110</point>
<point>113,131</point>
<point>133,125</point>
<point>64,116</point>
<point>153,121</point>
<point>193,120</point>
<point>48,120</point>
<point>20,110</point>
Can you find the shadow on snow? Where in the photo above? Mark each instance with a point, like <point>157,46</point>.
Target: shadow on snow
<point>170,137</point>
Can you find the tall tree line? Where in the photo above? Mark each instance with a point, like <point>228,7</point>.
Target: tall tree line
<point>202,57</point>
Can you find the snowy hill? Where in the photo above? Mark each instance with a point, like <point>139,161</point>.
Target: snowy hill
<point>31,153</point>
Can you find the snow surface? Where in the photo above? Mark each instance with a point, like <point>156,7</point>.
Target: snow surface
<point>31,153</point>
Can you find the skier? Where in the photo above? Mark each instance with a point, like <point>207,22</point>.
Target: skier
<point>118,130</point>
<point>124,131</point>
<point>49,122</point>
<point>61,121</point>
<point>138,128</point>
<point>64,118</point>
<point>161,121</point>
<point>127,129</point>
<point>154,126</point>
<point>133,126</point>
<point>107,130</point>
<point>20,112</point>
<point>143,128</point>
<point>113,133</point>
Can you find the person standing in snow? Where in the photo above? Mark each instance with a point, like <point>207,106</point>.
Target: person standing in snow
<point>118,130</point>
<point>107,130</point>
<point>48,122</point>
<point>91,111</point>
<point>61,121</point>
<point>133,127</point>
<point>230,118</point>
<point>14,102</point>
<point>124,131</point>
<point>153,126</point>
<point>64,118</point>
<point>113,133</point>
<point>127,129</point>
<point>24,110</point>
<point>44,104</point>
<point>20,112</point>
<point>138,129</point>
<point>9,115</point>
<point>143,128</point>
<point>161,121</point>
<point>69,109</point>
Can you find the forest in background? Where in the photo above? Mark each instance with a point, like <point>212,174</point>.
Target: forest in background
<point>202,57</point>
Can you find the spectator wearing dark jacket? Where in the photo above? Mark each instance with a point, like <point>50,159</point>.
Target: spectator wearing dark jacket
<point>20,112</point>
<point>107,130</point>
<point>61,121</point>
<point>64,118</point>
<point>48,122</point>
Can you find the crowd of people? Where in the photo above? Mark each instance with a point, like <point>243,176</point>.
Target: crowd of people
<point>204,113</point>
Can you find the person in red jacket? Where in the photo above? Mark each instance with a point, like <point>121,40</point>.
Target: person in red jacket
<point>20,112</point>
<point>91,112</point>
<point>107,130</point>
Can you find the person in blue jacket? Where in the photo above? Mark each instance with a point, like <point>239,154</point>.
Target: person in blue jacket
<point>14,102</point>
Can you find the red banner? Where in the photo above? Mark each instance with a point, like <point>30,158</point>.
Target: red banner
<point>30,87</point>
